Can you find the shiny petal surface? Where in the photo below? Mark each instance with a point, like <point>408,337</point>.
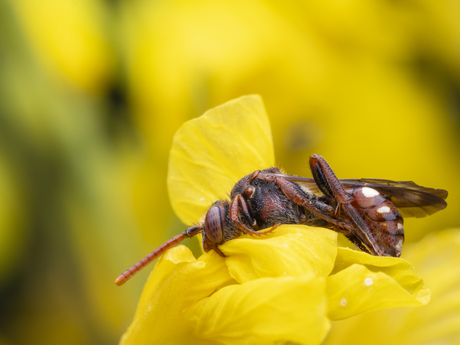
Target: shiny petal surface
<point>290,250</point>
<point>211,153</point>
<point>361,282</point>
<point>265,311</point>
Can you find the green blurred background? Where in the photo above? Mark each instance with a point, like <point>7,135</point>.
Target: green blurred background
<point>92,92</point>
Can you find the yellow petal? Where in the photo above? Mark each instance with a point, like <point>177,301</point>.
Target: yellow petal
<point>166,263</point>
<point>265,311</point>
<point>290,250</point>
<point>211,153</point>
<point>177,281</point>
<point>437,259</point>
<point>362,282</point>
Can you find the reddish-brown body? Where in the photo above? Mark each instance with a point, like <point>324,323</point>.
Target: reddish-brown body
<point>363,210</point>
<point>387,227</point>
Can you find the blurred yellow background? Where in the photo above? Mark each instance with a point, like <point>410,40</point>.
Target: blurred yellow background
<point>92,92</point>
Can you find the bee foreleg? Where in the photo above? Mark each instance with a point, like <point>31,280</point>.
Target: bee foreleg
<point>237,203</point>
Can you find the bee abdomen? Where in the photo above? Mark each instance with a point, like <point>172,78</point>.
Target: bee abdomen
<point>382,217</point>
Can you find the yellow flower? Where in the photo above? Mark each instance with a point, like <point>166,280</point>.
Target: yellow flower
<point>283,287</point>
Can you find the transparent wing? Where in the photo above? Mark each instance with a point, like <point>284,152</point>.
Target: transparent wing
<point>411,199</point>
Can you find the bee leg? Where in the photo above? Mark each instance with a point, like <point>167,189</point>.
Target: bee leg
<point>337,210</point>
<point>357,242</point>
<point>332,188</point>
<point>291,191</point>
<point>245,210</point>
<point>237,203</point>
<point>271,229</point>
<point>235,214</point>
<point>301,213</point>
<point>352,238</point>
<point>215,247</point>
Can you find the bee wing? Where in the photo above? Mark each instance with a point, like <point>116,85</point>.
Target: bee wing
<point>306,182</point>
<point>411,199</point>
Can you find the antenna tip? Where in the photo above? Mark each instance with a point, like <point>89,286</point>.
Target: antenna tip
<point>121,279</point>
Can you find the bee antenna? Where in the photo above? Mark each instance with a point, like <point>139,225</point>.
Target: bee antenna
<point>190,232</point>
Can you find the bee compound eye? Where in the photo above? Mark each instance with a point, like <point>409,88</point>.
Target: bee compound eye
<point>249,191</point>
<point>214,224</point>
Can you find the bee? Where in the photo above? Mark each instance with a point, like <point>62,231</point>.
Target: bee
<point>369,212</point>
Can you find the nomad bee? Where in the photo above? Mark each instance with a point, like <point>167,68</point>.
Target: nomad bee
<point>367,211</point>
